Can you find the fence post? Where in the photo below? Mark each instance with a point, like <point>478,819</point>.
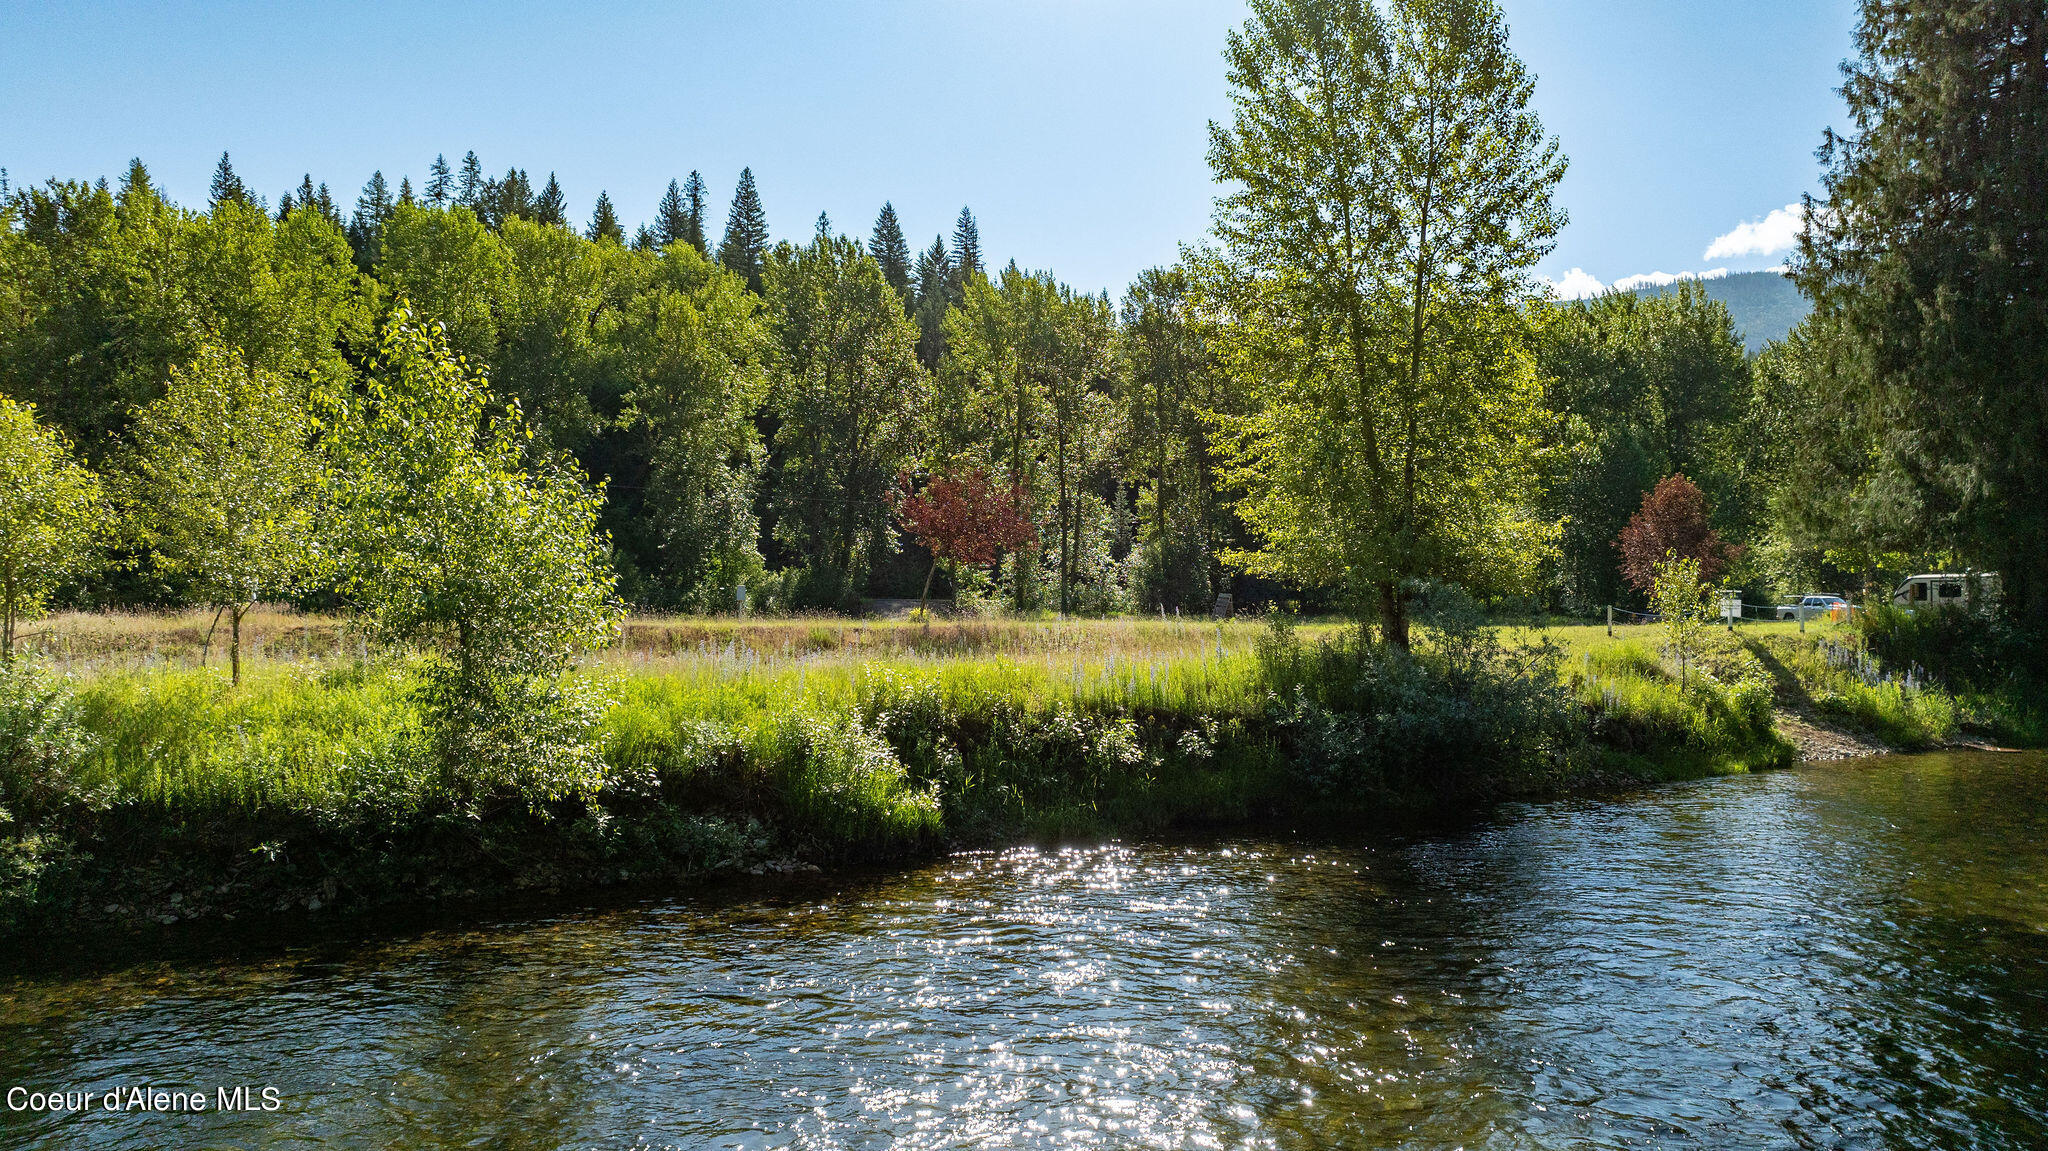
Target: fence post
<point>1801,609</point>
<point>1610,621</point>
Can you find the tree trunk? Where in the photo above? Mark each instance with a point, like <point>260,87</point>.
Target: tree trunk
<point>235,644</point>
<point>1393,616</point>
<point>924,597</point>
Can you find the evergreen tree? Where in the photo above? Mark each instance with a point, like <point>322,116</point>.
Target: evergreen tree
<point>440,182</point>
<point>694,197</point>
<point>604,222</point>
<point>510,198</point>
<point>644,239</point>
<point>373,208</point>
<point>746,233</point>
<point>1930,256</point>
<point>551,207</point>
<point>405,195</point>
<point>672,217</point>
<point>892,251</point>
<point>824,225</point>
<point>226,185</point>
<point>966,251</point>
<point>934,292</point>
<point>136,188</point>
<point>470,188</point>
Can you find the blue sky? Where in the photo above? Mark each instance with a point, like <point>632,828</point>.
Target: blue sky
<point>1075,128</point>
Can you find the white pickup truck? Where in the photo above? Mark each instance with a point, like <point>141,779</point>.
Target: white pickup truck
<point>1815,607</point>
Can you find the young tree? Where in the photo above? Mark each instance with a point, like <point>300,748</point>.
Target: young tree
<point>454,538</point>
<point>890,250</point>
<point>226,185</point>
<point>962,518</point>
<point>440,182</point>
<point>746,233</point>
<point>694,195</point>
<point>50,517</point>
<point>551,208</point>
<point>222,487</point>
<point>604,221</point>
<point>1389,194</point>
<point>1673,521</point>
<point>846,394</point>
<point>1928,253</point>
<point>1679,597</point>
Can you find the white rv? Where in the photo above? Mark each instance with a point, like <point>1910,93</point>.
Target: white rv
<point>1946,589</point>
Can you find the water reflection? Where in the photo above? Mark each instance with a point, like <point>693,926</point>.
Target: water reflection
<point>1843,956</point>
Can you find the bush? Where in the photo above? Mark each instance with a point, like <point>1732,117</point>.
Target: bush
<point>1368,722</point>
<point>43,745</point>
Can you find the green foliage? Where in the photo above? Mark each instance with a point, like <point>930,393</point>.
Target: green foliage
<point>1391,192</point>
<point>1466,713</point>
<point>1679,598</point>
<point>223,487</point>
<point>451,270</point>
<point>1642,388</point>
<point>1173,386</point>
<point>745,247</point>
<point>691,356</point>
<point>43,747</point>
<point>457,540</point>
<point>1928,258</point>
<point>51,516</point>
<point>850,412</point>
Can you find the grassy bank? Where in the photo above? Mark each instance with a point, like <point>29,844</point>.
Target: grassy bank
<point>144,794</point>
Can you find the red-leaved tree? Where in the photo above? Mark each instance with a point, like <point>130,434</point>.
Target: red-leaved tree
<point>962,518</point>
<point>1672,521</point>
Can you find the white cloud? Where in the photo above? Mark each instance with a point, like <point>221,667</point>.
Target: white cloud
<point>1775,233</point>
<point>1665,279</point>
<point>1576,285</point>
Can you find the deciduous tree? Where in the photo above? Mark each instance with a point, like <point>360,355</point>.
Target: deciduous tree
<point>51,516</point>
<point>1673,521</point>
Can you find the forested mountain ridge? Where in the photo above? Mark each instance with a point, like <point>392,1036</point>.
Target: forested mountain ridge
<point>1765,306</point>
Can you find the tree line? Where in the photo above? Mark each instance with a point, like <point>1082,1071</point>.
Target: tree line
<point>1357,385</point>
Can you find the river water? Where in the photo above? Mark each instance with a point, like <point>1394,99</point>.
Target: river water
<point>1849,955</point>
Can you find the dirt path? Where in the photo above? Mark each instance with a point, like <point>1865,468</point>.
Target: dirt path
<point>1817,739</point>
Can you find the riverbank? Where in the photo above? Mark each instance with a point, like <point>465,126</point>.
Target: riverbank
<point>164,797</point>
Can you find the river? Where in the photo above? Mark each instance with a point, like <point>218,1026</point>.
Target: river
<point>1846,955</point>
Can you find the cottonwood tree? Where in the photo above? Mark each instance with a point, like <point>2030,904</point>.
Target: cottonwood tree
<point>1170,384</point>
<point>222,486</point>
<point>963,518</point>
<point>1390,192</point>
<point>848,396</point>
<point>691,350</point>
<point>454,538</point>
<point>51,516</point>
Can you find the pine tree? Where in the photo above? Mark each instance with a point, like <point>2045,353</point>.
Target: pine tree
<point>671,218</point>
<point>693,207</point>
<point>373,207</point>
<point>966,251</point>
<point>405,195</point>
<point>934,288</point>
<point>470,190</point>
<point>644,239</point>
<point>551,207</point>
<point>746,233</point>
<point>892,251</point>
<point>305,197</point>
<point>604,222</point>
<point>511,197</point>
<point>440,182</point>
<point>324,200</point>
<point>227,185</point>
<point>824,226</point>
<point>136,189</point>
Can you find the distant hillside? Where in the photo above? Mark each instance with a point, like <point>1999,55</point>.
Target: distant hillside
<point>1765,305</point>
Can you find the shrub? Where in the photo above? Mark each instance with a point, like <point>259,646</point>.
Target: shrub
<point>43,745</point>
